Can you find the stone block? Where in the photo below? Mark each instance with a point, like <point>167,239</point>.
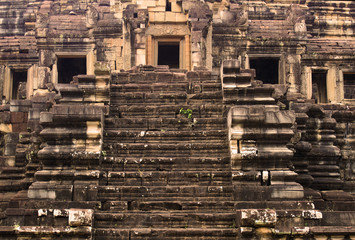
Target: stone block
<point>44,77</point>
<point>231,66</point>
<point>60,110</point>
<point>85,192</point>
<point>80,217</point>
<point>337,195</point>
<point>34,114</point>
<point>256,218</point>
<point>19,127</point>
<point>102,68</point>
<point>10,149</point>
<point>312,214</point>
<point>11,138</point>
<point>64,192</point>
<point>41,190</point>
<point>287,191</point>
<point>20,105</point>
<point>280,117</point>
<point>5,117</point>
<point>46,117</point>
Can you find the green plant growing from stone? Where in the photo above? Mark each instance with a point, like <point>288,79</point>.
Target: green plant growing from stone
<point>187,113</point>
<point>103,153</point>
<point>16,225</point>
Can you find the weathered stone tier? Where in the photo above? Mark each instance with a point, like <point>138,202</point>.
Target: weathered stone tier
<point>182,162</point>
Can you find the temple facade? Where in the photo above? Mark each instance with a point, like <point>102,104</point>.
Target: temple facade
<point>177,119</point>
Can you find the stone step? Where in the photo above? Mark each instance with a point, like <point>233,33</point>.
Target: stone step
<point>9,185</point>
<point>164,233</point>
<point>163,77</point>
<point>171,219</point>
<point>259,95</point>
<point>31,232</point>
<point>277,205</point>
<point>338,218</point>
<point>206,86</point>
<point>10,170</point>
<point>166,149</point>
<point>12,175</point>
<point>165,98</point>
<point>126,136</point>
<point>166,123</point>
<point>211,87</point>
<point>334,205</point>
<point>148,77</point>
<point>150,87</point>
<point>166,178</point>
<point>165,193</point>
<point>172,111</point>
<point>142,205</point>
<point>142,97</point>
<point>219,163</point>
<point>336,230</point>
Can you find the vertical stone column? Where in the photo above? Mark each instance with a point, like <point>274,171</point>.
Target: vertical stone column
<point>324,156</point>
<point>73,132</point>
<point>200,18</point>
<point>259,133</point>
<point>345,129</point>
<point>71,155</point>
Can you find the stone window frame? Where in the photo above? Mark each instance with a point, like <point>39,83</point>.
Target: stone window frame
<point>341,81</point>
<point>8,81</point>
<point>332,79</point>
<point>319,69</point>
<point>179,40</point>
<point>89,56</point>
<point>184,47</point>
<point>281,74</point>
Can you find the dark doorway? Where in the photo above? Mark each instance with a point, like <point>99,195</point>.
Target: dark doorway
<point>19,80</point>
<point>349,85</point>
<point>169,54</point>
<point>168,6</point>
<point>70,67</point>
<point>319,86</point>
<point>267,69</point>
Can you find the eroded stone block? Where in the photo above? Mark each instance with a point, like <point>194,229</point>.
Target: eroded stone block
<point>80,217</point>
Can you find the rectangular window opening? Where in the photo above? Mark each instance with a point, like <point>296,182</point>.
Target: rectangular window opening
<point>169,54</point>
<point>68,67</point>
<point>168,6</point>
<point>19,80</point>
<point>267,69</point>
<point>319,86</point>
<point>349,85</point>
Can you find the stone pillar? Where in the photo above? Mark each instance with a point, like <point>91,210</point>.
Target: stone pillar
<point>345,129</point>
<point>259,133</point>
<point>324,156</point>
<point>73,132</point>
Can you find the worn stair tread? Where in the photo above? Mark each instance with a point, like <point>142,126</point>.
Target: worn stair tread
<point>169,146</point>
<point>124,133</point>
<point>172,110</point>
<point>187,206</point>
<point>165,123</point>
<point>332,229</point>
<point>163,233</point>
<point>218,163</point>
<point>150,87</point>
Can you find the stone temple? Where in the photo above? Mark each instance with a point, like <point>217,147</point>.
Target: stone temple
<point>177,119</point>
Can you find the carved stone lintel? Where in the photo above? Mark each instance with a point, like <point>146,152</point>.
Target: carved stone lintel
<point>163,30</point>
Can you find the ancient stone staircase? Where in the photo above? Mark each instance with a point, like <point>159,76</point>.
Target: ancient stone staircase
<point>177,156</point>
<point>167,173</point>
